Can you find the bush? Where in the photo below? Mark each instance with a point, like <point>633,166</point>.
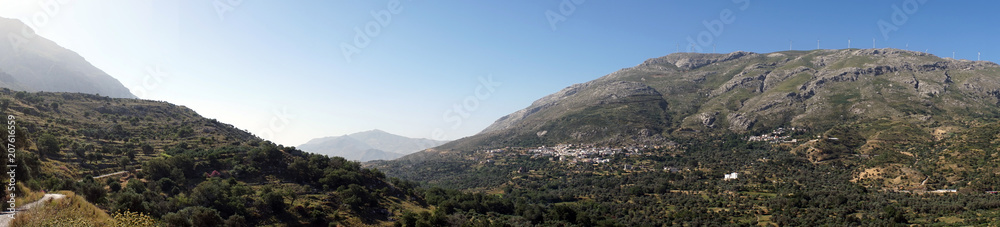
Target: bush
<point>194,216</point>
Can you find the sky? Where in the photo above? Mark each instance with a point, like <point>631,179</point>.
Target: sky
<point>291,71</point>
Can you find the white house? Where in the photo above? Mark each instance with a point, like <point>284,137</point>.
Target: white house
<point>730,176</point>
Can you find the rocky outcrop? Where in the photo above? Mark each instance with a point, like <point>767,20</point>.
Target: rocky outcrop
<point>739,122</point>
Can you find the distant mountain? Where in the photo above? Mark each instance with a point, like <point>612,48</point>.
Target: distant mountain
<point>29,62</point>
<point>368,145</point>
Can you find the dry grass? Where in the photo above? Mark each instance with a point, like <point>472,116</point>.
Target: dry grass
<point>28,196</point>
<point>70,211</point>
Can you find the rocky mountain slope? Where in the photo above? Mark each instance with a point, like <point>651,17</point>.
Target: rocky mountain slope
<point>745,92</point>
<point>368,145</point>
<point>29,62</point>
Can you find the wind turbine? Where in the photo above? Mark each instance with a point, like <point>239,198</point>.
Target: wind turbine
<point>817,44</point>
<point>979,56</point>
<point>873,43</point>
<point>848,43</point>
<point>789,45</point>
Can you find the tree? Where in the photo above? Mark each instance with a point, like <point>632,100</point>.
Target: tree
<point>91,190</point>
<point>194,216</point>
<point>236,221</point>
<point>123,162</point>
<point>48,144</point>
<point>128,201</point>
<point>81,151</point>
<point>146,148</point>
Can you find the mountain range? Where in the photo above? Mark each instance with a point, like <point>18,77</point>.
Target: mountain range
<point>368,145</point>
<point>837,137</point>
<point>32,63</point>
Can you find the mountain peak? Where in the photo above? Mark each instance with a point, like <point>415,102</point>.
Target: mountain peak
<point>33,63</point>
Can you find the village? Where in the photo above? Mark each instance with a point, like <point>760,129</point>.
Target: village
<point>780,135</point>
<point>570,153</point>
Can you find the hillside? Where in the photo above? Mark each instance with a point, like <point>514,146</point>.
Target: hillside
<point>29,62</point>
<point>368,145</point>
<point>744,92</point>
<point>807,132</point>
<point>185,170</point>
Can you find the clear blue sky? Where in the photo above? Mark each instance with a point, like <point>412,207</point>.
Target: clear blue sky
<point>277,69</point>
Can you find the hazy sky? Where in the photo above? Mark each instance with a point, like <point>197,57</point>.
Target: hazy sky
<point>280,70</point>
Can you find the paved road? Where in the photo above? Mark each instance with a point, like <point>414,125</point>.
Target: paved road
<point>5,218</point>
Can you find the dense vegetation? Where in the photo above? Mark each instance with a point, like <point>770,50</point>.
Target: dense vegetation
<point>776,186</point>
<point>184,170</point>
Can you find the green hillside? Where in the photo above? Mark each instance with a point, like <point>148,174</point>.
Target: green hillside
<point>185,170</point>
